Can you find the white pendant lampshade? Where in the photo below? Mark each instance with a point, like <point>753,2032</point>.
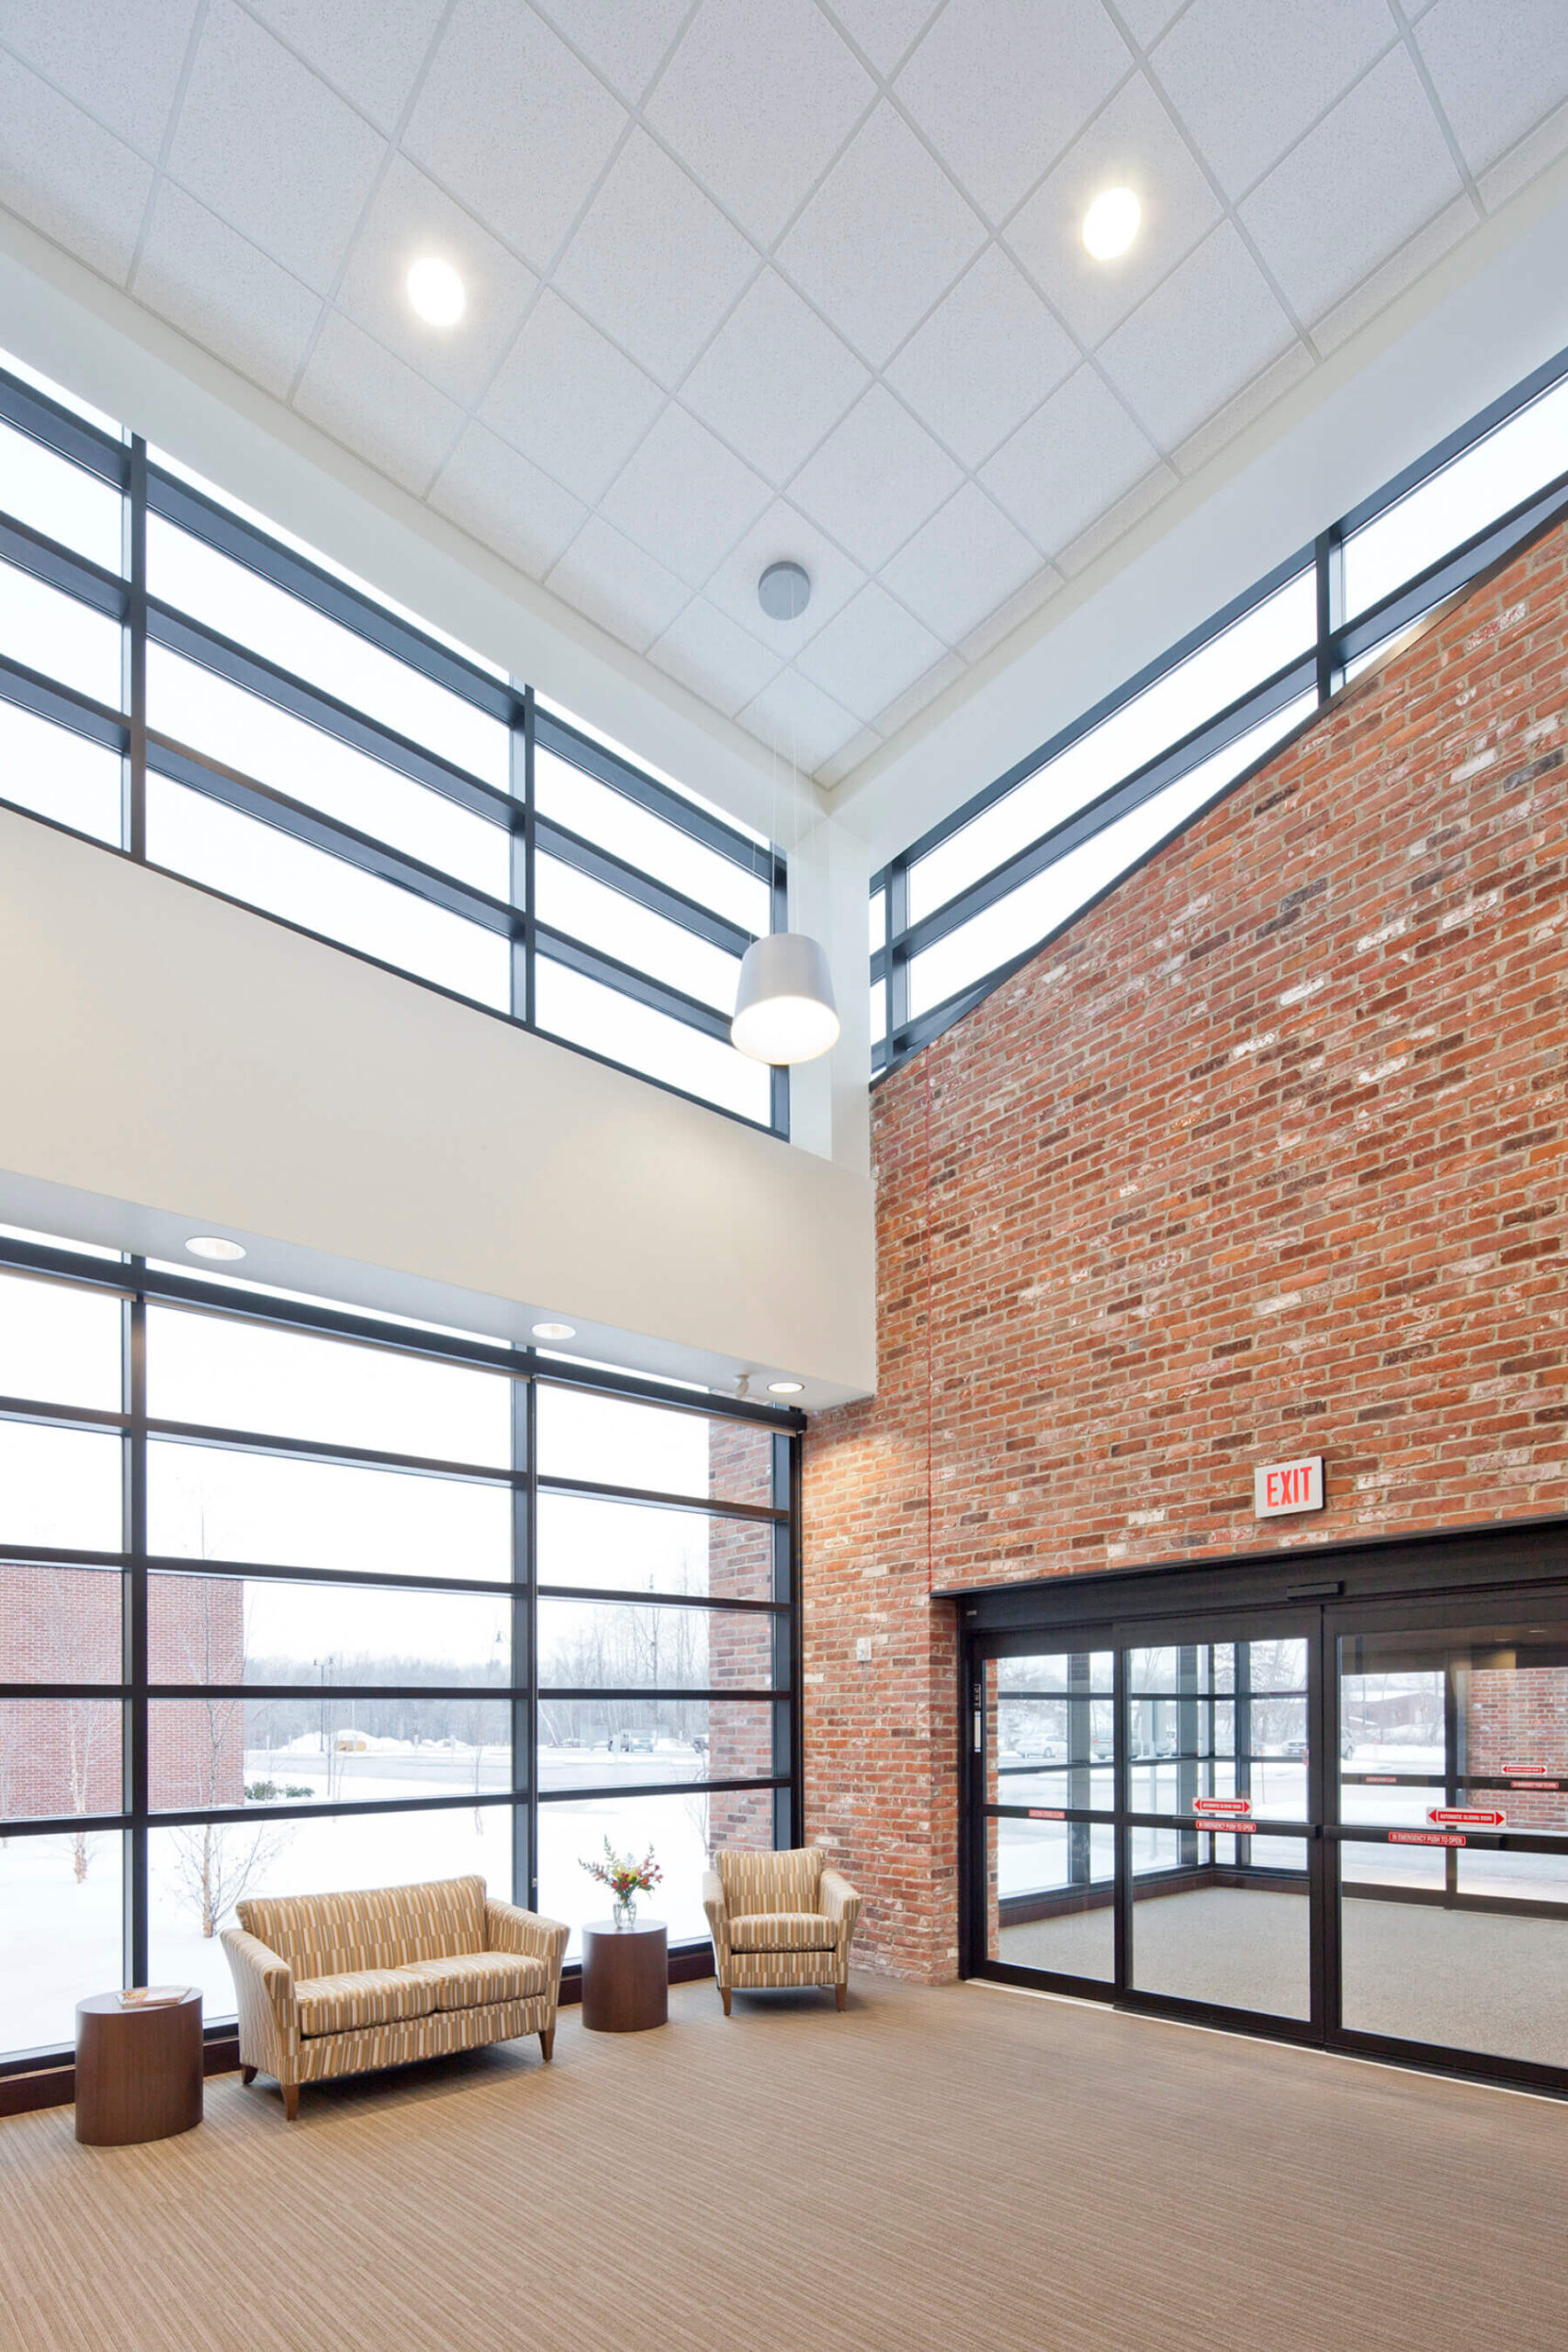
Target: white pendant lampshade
<point>783,1006</point>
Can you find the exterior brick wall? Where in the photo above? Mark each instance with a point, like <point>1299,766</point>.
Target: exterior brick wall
<point>1262,1156</point>
<point>64,1756</point>
<point>740,1648</point>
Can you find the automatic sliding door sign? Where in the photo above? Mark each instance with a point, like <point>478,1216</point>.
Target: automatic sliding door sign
<point>1466,1817</point>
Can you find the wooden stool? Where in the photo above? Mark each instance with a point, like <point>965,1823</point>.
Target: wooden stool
<point>626,1976</point>
<point>138,2071</point>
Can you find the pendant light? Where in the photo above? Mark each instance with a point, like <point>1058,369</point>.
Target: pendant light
<point>784,1010</point>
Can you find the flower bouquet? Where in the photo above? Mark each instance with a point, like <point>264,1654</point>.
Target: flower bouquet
<point>625,1878</point>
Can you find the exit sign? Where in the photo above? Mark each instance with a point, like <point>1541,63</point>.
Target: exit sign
<point>1281,1487</point>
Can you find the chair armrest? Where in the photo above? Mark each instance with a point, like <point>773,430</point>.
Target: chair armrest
<point>717,1916</point>
<point>509,1928</point>
<point>263,1990</point>
<point>842,1902</point>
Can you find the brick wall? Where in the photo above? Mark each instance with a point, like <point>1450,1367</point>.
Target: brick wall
<point>1264,1155</point>
<point>64,1756</point>
<point>740,1648</point>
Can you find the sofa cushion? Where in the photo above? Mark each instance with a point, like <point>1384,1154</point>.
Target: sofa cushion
<point>471,1980</point>
<point>784,1931</point>
<point>334,1934</point>
<point>790,1880</point>
<point>360,1997</point>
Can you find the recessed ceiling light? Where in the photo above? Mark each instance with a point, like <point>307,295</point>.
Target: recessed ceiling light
<point>785,591</point>
<point>1111,222</point>
<point>554,1330</point>
<point>786,1387</point>
<point>213,1245</point>
<point>436,292</point>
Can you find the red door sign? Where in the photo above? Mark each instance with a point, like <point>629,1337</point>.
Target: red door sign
<point>1046,1812</point>
<point>1521,1772</point>
<point>1425,1838</point>
<point>1466,1817</point>
<point>1222,1804</point>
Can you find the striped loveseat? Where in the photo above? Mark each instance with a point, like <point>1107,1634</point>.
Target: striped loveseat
<point>779,1920</point>
<point>337,1984</point>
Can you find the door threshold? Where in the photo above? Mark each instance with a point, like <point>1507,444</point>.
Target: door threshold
<point>1233,2033</point>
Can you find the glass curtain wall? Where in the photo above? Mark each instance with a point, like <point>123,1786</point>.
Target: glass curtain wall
<point>960,908</point>
<point>183,683</point>
<point>294,1600</point>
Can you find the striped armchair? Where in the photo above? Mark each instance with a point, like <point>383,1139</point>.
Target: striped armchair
<point>338,1983</point>
<point>779,1920</point>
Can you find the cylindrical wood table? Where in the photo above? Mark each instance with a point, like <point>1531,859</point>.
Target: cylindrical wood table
<point>138,2071</point>
<point>626,1976</point>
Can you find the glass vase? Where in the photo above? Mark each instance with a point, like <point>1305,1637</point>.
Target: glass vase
<point>625,1912</point>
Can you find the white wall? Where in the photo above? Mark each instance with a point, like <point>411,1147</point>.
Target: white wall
<point>170,1064</point>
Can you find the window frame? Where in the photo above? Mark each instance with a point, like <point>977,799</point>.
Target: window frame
<point>1325,668</point>
<point>139,1286</point>
<point>148,489</point>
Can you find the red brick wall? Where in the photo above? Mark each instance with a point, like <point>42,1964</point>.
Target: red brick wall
<point>64,1756</point>
<point>1264,1155</point>
<point>740,1648</point>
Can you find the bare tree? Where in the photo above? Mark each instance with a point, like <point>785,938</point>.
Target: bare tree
<point>218,1865</point>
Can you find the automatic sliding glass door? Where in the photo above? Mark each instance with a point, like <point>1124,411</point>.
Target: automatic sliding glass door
<point>1453,1843</point>
<point>1048,1725</point>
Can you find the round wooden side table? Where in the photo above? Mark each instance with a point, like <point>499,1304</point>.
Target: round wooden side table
<point>138,2071</point>
<point>626,1976</point>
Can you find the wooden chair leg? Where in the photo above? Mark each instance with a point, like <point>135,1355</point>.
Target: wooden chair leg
<point>842,1993</point>
<point>291,2102</point>
<point>547,2041</point>
<point>247,2074</point>
<point>724,1996</point>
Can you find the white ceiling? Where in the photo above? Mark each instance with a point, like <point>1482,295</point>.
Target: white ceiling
<point>756,278</point>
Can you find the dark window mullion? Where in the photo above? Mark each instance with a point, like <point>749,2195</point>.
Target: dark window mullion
<point>136,1794</point>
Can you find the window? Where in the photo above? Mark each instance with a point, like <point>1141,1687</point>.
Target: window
<point>951,916</point>
<point>356,1671</point>
<point>319,753</point>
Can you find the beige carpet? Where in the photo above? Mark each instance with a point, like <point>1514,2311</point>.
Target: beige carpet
<point>967,2169</point>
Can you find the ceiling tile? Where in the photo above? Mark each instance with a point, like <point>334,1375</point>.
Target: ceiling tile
<point>1000,86</point>
<point>757,102</point>
<point>370,49</point>
<point>615,585</point>
<point>1498,67</point>
<point>655,263</point>
<point>869,653</point>
<point>375,406</point>
<point>264,144</point>
<point>1246,81</point>
<point>683,497</point>
<point>570,400</point>
<point>1147,19</point>
<point>884,29</point>
<point>516,126</point>
<point>987,354</point>
<point>1073,457</point>
<point>875,479</point>
<point>884,196</point>
<point>489,491</point>
<point>784,536</point>
<point>1354,189</point>
<point>774,379</point>
<point>203,278</point>
<point>624,44</point>
<point>705,650</point>
<point>408,216</point>
<point>66,174</point>
<point>967,560</point>
<point>122,64</point>
<point>1114,520</point>
<point>1133,144</point>
<point>798,721</point>
<point>1197,340</point>
<point>1376,291</point>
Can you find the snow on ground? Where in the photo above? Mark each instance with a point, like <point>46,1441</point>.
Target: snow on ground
<point>60,1939</point>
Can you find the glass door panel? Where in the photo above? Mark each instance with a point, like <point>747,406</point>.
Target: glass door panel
<point>1219,1911</point>
<point>1050,1774</point>
<point>1453,1839</point>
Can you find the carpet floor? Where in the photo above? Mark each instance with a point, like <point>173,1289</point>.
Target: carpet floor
<point>965,2169</point>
